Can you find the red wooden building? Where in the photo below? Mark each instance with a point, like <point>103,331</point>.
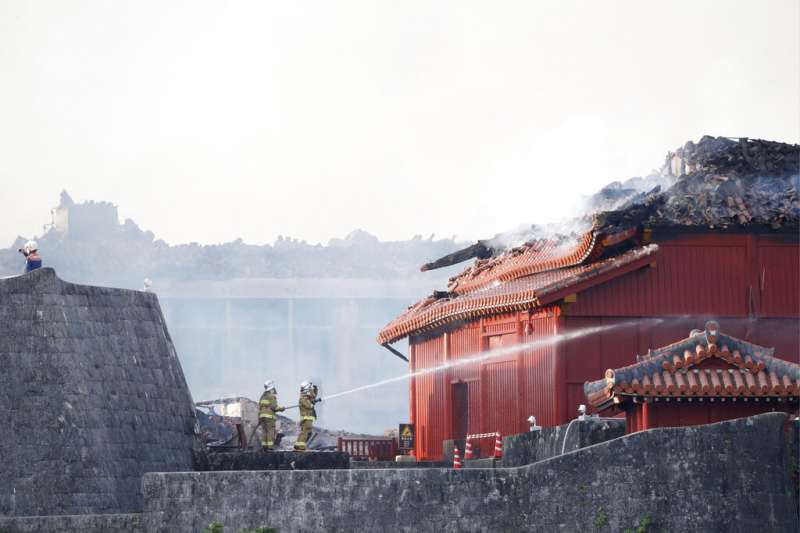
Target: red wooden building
<point>707,377</point>
<point>626,270</point>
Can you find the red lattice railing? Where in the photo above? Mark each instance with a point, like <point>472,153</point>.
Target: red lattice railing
<point>378,449</point>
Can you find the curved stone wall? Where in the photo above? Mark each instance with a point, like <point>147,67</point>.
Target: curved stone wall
<point>92,396</point>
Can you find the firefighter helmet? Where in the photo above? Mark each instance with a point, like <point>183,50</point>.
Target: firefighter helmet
<point>269,385</point>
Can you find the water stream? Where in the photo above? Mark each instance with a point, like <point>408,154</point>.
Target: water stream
<point>498,352</point>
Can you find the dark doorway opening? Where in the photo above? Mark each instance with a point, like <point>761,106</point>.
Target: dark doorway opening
<point>460,414</point>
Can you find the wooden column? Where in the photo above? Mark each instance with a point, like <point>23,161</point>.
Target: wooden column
<point>521,426</point>
<point>559,353</point>
<point>448,388</point>
<point>482,347</point>
<point>412,407</point>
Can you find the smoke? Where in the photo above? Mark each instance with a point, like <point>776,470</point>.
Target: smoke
<point>577,218</point>
<point>717,181</point>
<point>525,233</point>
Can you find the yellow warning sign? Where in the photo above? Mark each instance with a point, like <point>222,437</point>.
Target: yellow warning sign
<point>406,436</point>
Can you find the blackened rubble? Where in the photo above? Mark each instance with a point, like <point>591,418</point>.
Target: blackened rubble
<point>218,430</point>
<point>716,183</point>
<point>719,183</point>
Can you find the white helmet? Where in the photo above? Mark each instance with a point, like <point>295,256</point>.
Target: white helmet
<point>305,386</point>
<point>30,246</point>
<point>269,385</point>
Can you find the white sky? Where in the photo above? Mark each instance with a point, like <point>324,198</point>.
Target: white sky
<point>209,120</point>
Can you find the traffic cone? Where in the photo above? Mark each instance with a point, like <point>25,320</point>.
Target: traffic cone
<point>468,451</point>
<point>456,459</point>
<point>498,447</point>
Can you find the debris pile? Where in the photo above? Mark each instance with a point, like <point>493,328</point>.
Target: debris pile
<point>723,183</point>
<point>724,155</point>
<point>220,430</point>
<point>716,183</point>
<point>617,194</point>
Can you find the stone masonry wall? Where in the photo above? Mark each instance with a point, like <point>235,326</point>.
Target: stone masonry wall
<point>92,523</point>
<point>732,476</point>
<point>526,448</point>
<point>92,396</point>
<point>534,446</point>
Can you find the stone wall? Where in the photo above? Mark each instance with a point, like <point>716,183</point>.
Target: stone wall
<point>91,397</point>
<point>527,448</point>
<point>98,523</point>
<point>732,476</point>
<point>258,460</point>
<point>379,465</point>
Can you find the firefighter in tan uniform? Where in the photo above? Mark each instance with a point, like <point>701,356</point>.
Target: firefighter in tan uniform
<point>308,397</point>
<point>267,408</point>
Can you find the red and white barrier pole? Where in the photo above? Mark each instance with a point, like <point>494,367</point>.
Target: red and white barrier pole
<point>456,459</point>
<point>498,447</point>
<point>468,450</point>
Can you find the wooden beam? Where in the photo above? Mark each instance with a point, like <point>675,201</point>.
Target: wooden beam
<point>478,250</point>
<point>398,354</point>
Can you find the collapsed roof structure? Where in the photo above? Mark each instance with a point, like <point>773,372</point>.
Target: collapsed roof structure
<point>712,234</point>
<point>718,183</point>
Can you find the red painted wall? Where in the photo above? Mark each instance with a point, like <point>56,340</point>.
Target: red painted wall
<point>674,414</point>
<point>749,283</point>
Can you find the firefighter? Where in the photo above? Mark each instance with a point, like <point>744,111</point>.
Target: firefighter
<point>308,397</point>
<point>267,407</point>
<point>32,258</point>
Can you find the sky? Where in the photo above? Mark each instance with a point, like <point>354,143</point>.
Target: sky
<point>207,121</point>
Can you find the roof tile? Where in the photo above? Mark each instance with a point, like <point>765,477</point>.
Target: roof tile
<point>504,296</point>
<point>753,372</point>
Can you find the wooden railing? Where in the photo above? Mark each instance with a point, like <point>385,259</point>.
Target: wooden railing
<point>376,449</point>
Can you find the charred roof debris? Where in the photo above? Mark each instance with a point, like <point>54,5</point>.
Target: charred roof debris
<point>716,183</point>
<point>719,183</point>
<point>218,419</point>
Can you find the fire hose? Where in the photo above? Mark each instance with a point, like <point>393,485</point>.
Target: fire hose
<point>246,445</point>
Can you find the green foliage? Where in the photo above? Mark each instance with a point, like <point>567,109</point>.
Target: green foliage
<point>217,527</point>
<point>214,527</point>
<point>644,524</point>
<point>600,519</point>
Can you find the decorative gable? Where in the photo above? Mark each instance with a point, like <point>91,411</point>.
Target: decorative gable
<point>706,364</point>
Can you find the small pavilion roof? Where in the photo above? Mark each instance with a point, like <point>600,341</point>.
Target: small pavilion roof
<point>706,364</point>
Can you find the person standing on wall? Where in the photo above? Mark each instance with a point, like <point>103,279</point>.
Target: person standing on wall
<point>267,409</point>
<point>32,258</point>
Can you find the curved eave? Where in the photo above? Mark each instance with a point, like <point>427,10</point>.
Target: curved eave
<point>436,315</point>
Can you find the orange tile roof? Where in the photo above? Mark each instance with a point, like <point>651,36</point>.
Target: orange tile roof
<point>537,256</point>
<point>502,296</point>
<point>706,364</point>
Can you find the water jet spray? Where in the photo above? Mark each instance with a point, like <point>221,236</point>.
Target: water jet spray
<point>498,352</point>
